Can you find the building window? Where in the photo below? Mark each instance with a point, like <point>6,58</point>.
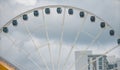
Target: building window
<point>100,67</point>
<point>88,67</point>
<point>111,66</point>
<point>115,65</point>
<point>100,63</point>
<point>100,59</point>
<point>88,60</point>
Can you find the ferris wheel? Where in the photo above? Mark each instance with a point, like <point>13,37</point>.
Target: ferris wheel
<point>46,38</point>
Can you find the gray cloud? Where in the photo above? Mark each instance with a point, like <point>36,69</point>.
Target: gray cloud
<point>109,11</point>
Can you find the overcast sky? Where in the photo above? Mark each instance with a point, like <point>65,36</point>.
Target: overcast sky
<point>106,9</point>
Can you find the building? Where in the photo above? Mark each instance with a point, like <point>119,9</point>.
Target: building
<point>81,59</point>
<point>97,62</point>
<point>85,60</point>
<point>118,65</point>
<point>114,63</point>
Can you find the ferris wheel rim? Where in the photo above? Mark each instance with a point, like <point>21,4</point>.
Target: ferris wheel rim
<point>51,6</point>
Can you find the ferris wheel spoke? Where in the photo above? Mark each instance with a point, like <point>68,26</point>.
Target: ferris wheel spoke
<point>93,41</point>
<point>27,53</point>
<point>96,38</point>
<point>30,35</point>
<point>20,66</point>
<point>47,37</point>
<point>13,42</point>
<point>91,36</point>
<point>13,45</point>
<point>106,52</point>
<point>76,38</point>
<point>87,33</point>
<point>61,37</point>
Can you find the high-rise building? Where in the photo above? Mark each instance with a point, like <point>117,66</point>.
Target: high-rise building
<point>97,62</point>
<point>85,60</point>
<point>118,65</point>
<point>81,60</point>
<point>114,63</point>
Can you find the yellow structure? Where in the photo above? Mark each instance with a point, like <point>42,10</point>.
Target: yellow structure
<point>5,66</point>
